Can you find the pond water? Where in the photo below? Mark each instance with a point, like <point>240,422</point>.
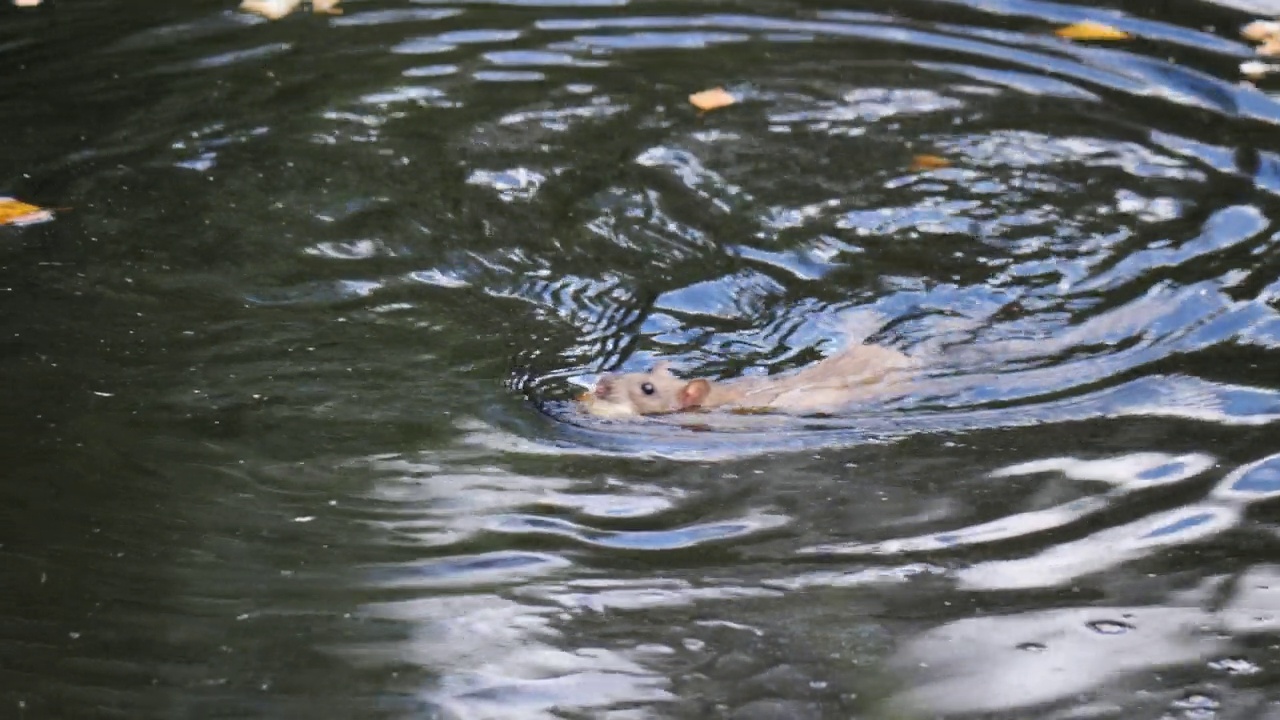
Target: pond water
<point>288,431</point>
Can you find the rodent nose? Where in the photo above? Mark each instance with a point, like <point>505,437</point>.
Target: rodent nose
<point>603,387</point>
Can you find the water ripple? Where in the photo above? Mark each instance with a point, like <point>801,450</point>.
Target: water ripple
<point>676,538</point>
<point>259,361</point>
<point>1128,474</point>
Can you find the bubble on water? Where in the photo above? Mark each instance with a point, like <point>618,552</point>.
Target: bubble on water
<point>1110,627</point>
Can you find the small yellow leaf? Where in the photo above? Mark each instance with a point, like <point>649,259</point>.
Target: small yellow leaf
<point>1270,48</point>
<point>27,3</point>
<point>1260,31</point>
<point>327,7</point>
<point>1090,30</point>
<point>270,9</point>
<point>711,99</point>
<point>929,162</point>
<point>16,212</point>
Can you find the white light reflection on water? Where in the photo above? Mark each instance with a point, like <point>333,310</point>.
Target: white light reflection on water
<point>1037,658</point>
<point>494,625</point>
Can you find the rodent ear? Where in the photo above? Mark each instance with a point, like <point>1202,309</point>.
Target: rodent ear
<point>605,384</point>
<point>694,393</point>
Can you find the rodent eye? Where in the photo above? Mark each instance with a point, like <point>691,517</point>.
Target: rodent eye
<point>647,388</point>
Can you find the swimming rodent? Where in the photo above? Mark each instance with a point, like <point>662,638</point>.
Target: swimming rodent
<point>999,369</point>
<point>859,372</point>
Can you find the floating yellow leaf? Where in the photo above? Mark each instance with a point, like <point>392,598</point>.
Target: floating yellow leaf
<point>711,99</point>
<point>1270,48</point>
<point>929,162</point>
<point>1090,30</point>
<point>328,7</point>
<point>1260,31</point>
<point>16,212</point>
<point>270,9</point>
<point>27,3</point>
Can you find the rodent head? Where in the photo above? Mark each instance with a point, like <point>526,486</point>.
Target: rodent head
<point>649,393</point>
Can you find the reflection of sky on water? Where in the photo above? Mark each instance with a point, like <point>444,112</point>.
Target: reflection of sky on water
<point>499,627</point>
<point>1052,276</point>
<point>502,626</point>
<point>1036,658</point>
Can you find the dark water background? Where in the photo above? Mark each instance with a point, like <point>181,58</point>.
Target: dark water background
<point>284,422</point>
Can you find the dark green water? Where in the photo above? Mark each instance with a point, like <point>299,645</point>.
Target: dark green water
<point>285,425</point>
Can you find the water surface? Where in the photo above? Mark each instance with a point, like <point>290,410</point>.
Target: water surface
<point>288,431</point>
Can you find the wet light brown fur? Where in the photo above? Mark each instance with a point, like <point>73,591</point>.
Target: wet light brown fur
<point>856,373</point>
